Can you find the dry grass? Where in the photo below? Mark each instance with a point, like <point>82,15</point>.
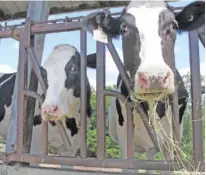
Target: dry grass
<point>183,165</point>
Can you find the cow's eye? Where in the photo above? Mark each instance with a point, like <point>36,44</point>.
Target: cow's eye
<point>170,30</point>
<point>123,28</point>
<point>174,25</point>
<point>73,68</point>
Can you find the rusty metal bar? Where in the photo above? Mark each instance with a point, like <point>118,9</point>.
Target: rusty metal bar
<point>174,100</point>
<point>20,95</point>
<point>116,94</point>
<point>44,124</point>
<point>148,127</point>
<point>34,95</point>
<point>52,28</point>
<point>119,64</point>
<point>170,61</point>
<point>125,78</point>
<point>63,134</point>
<point>100,100</point>
<point>92,162</point>
<point>44,138</point>
<point>130,128</point>
<point>196,97</point>
<point>44,29</point>
<point>36,68</point>
<point>83,101</point>
<point>130,124</point>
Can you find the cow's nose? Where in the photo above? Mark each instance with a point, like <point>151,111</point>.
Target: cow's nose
<point>52,110</point>
<point>154,81</point>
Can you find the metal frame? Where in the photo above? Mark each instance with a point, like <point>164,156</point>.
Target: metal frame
<point>25,36</point>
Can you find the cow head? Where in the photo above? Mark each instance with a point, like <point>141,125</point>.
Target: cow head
<point>61,74</point>
<point>148,31</point>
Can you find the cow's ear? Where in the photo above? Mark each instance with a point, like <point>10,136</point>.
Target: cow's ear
<point>192,16</point>
<point>91,60</point>
<point>103,26</point>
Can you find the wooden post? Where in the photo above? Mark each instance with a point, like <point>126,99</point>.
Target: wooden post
<point>37,11</point>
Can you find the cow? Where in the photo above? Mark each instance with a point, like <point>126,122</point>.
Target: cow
<point>61,75</point>
<point>148,31</point>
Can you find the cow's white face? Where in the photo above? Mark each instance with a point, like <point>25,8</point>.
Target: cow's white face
<point>148,30</point>
<point>63,78</point>
<point>153,78</point>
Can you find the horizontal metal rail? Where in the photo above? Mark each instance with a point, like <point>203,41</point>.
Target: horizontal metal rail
<point>50,26</point>
<point>92,162</point>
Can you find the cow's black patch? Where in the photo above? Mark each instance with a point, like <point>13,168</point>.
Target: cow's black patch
<point>7,82</point>
<point>119,112</point>
<point>160,110</point>
<point>44,76</point>
<point>73,78</point>
<point>71,125</point>
<point>37,121</point>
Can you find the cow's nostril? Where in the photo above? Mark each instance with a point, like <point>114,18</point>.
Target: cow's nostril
<point>55,108</point>
<point>142,80</point>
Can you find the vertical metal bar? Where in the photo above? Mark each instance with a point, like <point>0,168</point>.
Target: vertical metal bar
<point>100,100</point>
<point>196,97</point>
<point>44,138</point>
<point>118,63</point>
<point>44,124</point>
<point>170,60</point>
<point>83,101</point>
<point>130,127</point>
<point>36,68</point>
<point>20,94</point>
<point>63,134</point>
<point>130,135</point>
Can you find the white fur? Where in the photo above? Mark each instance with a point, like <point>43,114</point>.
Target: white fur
<point>150,52</point>
<point>152,61</point>
<point>57,94</point>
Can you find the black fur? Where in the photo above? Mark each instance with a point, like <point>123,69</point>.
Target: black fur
<point>7,82</point>
<point>72,126</point>
<point>119,111</point>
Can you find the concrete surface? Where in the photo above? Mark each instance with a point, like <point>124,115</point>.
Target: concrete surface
<point>18,170</point>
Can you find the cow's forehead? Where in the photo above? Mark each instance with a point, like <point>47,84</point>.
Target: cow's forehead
<point>147,18</point>
<point>59,57</point>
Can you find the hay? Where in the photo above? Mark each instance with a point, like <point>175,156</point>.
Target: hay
<point>183,165</point>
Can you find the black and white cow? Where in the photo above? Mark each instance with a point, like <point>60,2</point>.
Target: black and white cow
<point>61,74</point>
<point>148,31</point>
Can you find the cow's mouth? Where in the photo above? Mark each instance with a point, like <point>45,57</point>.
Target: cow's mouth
<point>49,117</point>
<point>149,96</point>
